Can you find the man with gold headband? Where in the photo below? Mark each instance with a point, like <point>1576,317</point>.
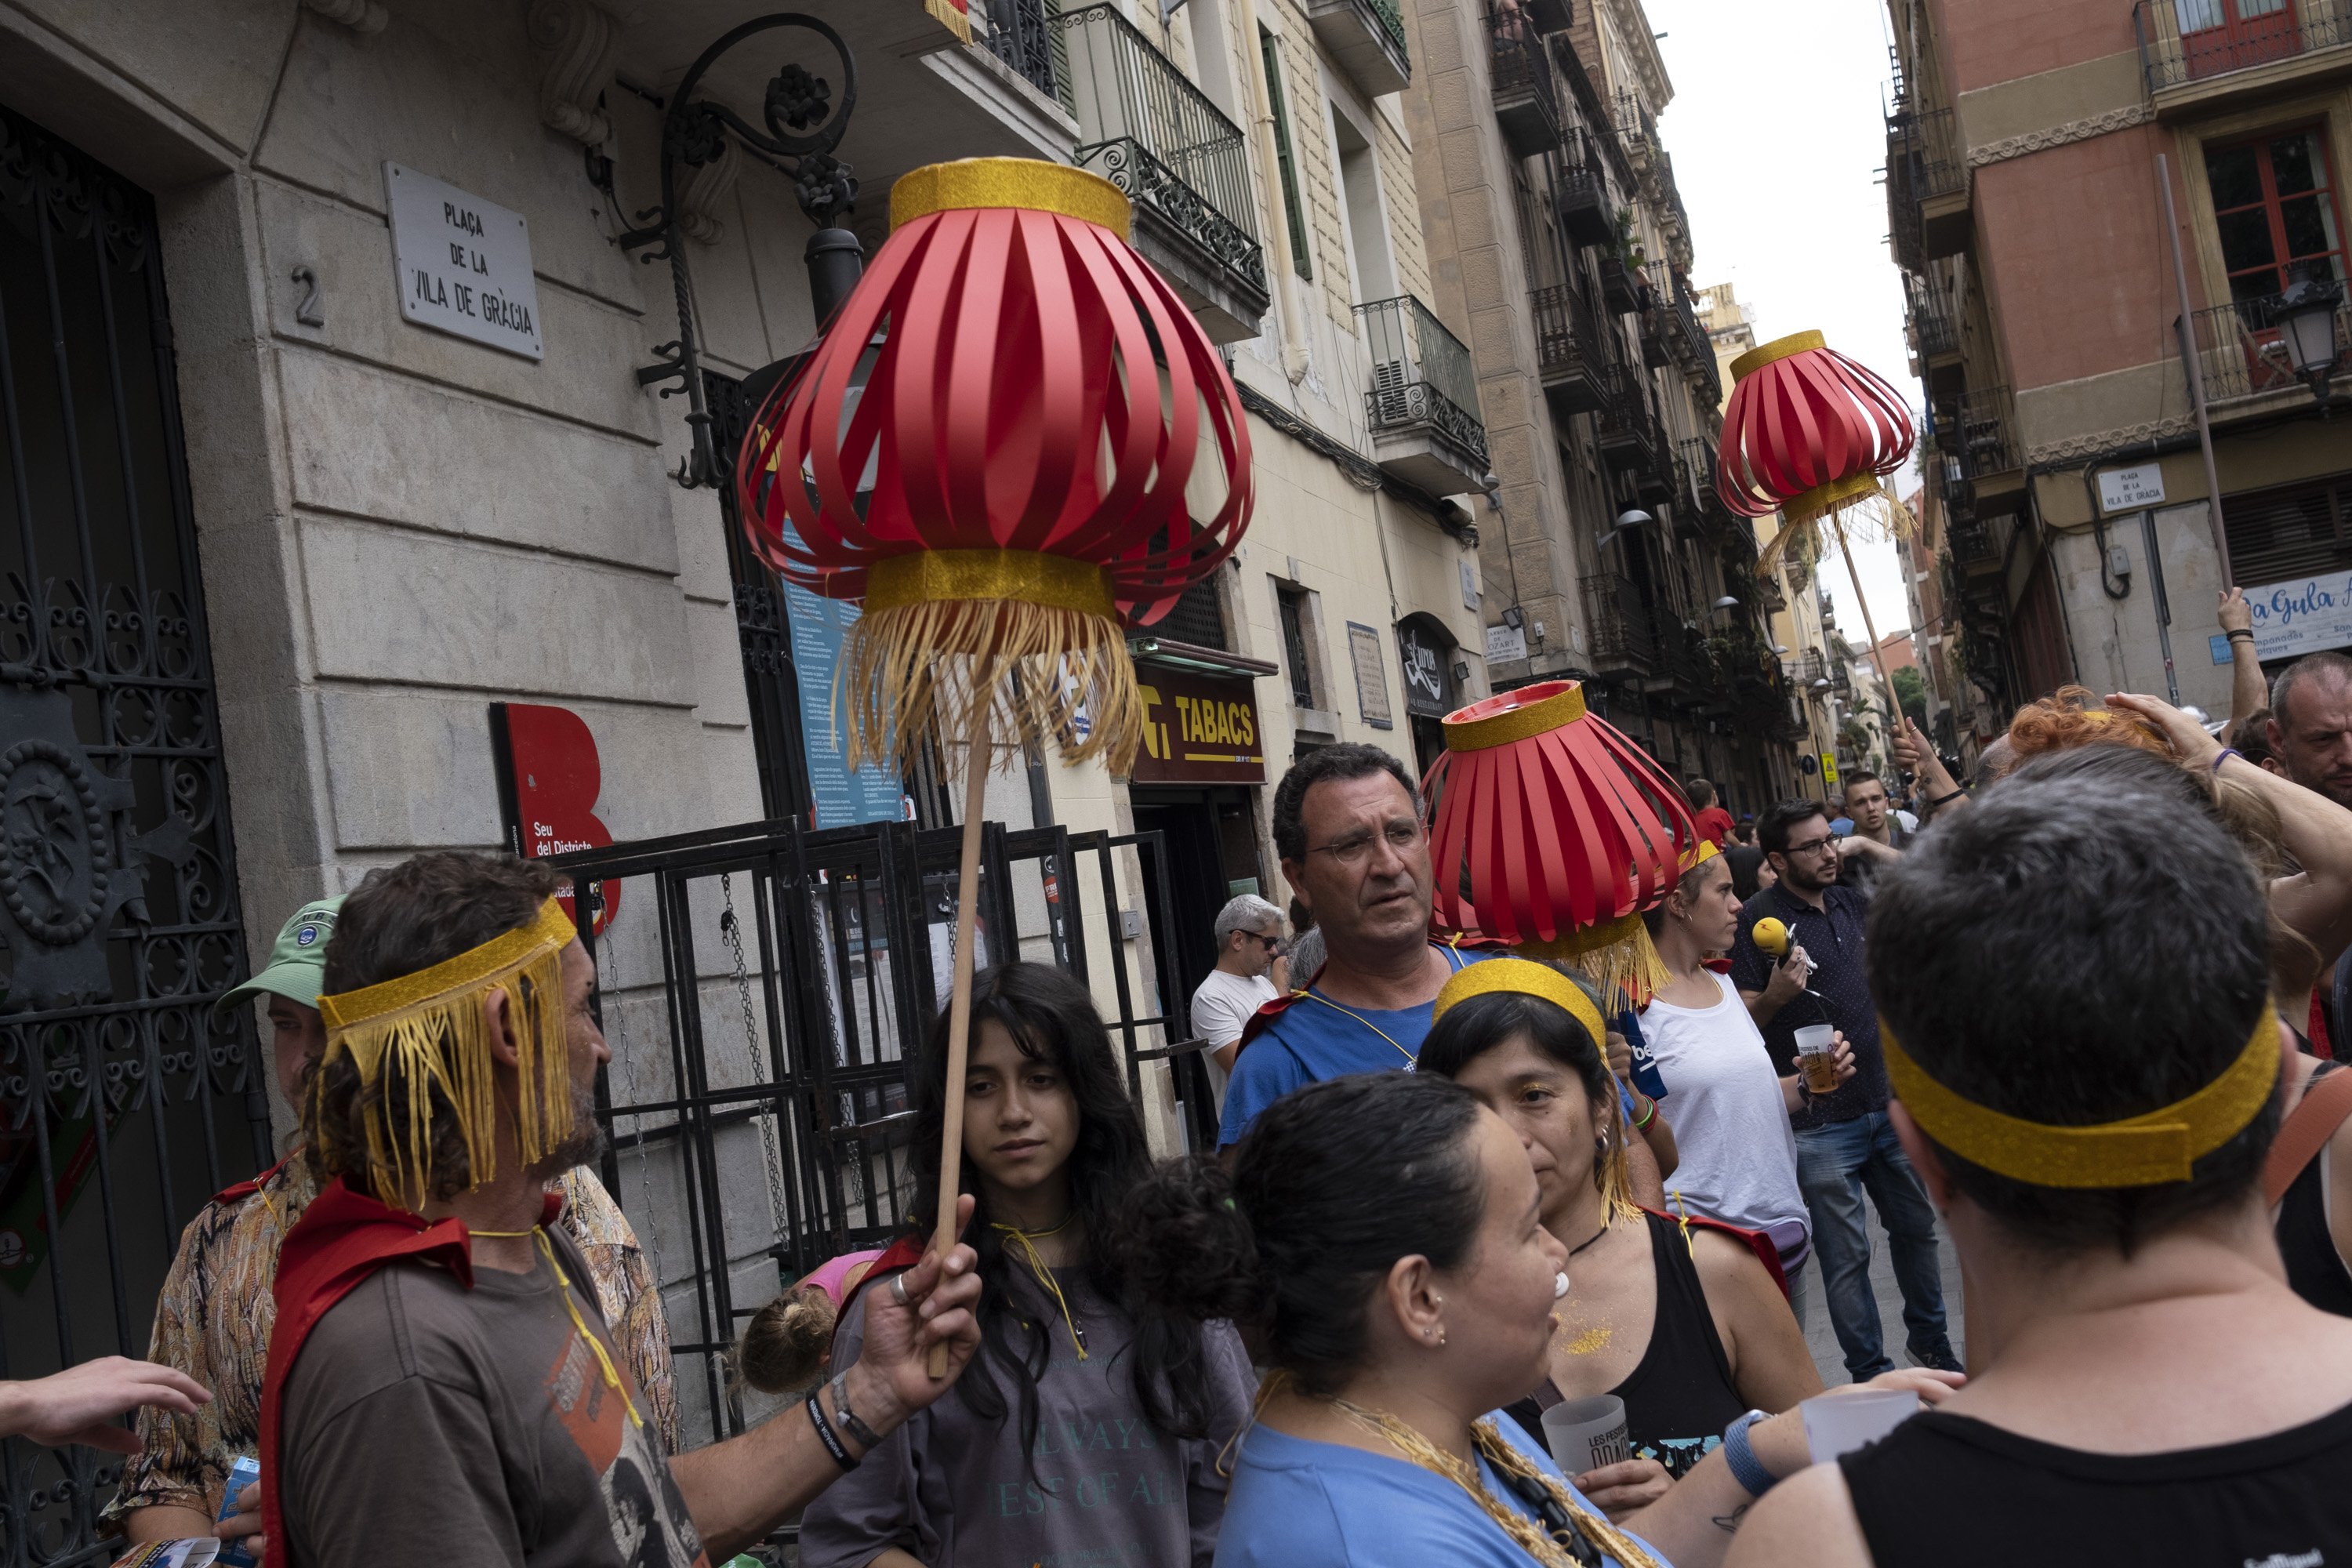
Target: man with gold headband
<point>2086,1062</point>
<point>442,1386</point>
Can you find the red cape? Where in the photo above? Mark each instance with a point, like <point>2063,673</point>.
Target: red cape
<point>1756,1241</point>
<point>344,1237</point>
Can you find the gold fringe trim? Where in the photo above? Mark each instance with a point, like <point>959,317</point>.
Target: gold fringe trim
<point>1616,956</point>
<point>440,1045</point>
<point>917,671</point>
<point>950,17</point>
<point>1872,513</point>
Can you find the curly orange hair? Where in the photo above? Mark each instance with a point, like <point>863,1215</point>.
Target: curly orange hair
<point>2066,718</point>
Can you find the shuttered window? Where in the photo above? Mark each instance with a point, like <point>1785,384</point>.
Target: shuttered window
<point>2295,531</point>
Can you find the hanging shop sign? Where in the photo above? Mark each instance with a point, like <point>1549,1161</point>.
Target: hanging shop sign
<point>549,778</point>
<point>462,264</point>
<point>1428,687</point>
<point>2296,618</point>
<point>1197,729</point>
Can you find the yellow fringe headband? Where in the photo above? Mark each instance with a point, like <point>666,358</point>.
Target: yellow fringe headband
<point>1529,979</point>
<point>1696,855</point>
<point>2143,1150</point>
<point>428,1027</point>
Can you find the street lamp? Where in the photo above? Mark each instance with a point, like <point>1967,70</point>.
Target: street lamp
<point>2305,318</point>
<point>1627,521</point>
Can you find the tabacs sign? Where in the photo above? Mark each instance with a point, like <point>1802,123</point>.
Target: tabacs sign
<point>462,264</point>
<point>1198,730</point>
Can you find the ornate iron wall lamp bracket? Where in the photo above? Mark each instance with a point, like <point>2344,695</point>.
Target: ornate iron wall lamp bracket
<point>803,126</point>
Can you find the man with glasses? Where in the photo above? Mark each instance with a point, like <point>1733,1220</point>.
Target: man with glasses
<point>1845,1144</point>
<point>1347,825</point>
<point>1249,940</point>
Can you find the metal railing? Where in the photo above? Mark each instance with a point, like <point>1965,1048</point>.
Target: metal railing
<point>1569,337</point>
<point>1935,325</point>
<point>1157,137</point>
<point>1637,129</point>
<point>1391,20</point>
<point>1627,429</point>
<point>1929,142</point>
<point>1585,207</point>
<point>1421,374</point>
<point>1976,435</point>
<point>2240,351</point>
<point>1620,631</point>
<point>1525,103</point>
<point>2182,41</point>
<point>1019,33</point>
<point>1696,456</point>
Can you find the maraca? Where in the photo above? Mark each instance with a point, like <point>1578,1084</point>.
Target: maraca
<point>1772,938</point>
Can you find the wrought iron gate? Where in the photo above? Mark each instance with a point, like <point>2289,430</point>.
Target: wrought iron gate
<point>767,990</point>
<point>124,1104</point>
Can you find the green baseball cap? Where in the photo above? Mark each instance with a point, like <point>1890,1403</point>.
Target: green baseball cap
<point>298,960</point>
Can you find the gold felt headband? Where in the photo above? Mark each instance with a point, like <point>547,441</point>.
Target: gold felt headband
<point>427,1030</point>
<point>2143,1150</point>
<point>1697,855</point>
<point>1528,978</point>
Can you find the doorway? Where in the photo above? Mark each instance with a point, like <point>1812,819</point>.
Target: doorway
<point>1212,846</point>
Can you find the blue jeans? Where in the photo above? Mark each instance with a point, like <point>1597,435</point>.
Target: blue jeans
<point>1834,1164</point>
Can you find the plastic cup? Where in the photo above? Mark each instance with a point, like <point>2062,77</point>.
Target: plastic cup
<point>1816,1059</point>
<point>1585,1434</point>
<point>1840,1423</point>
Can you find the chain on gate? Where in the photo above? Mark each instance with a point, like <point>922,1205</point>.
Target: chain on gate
<point>771,1142</point>
<point>627,1061</point>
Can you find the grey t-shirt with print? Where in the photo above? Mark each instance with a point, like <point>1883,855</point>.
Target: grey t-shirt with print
<point>1108,1490</point>
<point>425,1423</point>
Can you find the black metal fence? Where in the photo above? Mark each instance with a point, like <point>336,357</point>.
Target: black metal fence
<point>768,992</point>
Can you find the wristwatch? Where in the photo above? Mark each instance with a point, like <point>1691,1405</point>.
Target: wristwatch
<point>1745,1467</point>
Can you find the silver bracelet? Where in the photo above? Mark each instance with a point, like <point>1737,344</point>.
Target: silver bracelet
<point>850,1423</point>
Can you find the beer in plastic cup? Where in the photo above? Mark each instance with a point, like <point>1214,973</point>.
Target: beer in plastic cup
<point>1840,1423</point>
<point>1816,1057</point>
<point>1585,1434</point>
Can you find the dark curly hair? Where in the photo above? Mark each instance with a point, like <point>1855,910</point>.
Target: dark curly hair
<point>402,918</point>
<point>1291,1243</point>
<point>1341,764</point>
<point>1052,1017</point>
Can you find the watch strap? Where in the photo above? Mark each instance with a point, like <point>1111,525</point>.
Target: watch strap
<point>1740,1454</point>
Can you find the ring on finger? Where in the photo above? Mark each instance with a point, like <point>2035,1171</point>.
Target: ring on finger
<point>898,1289</point>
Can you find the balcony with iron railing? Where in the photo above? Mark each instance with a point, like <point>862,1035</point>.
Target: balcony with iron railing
<point>1627,429</point>
<point>1926,186</point>
<point>2196,53</point>
<point>1421,407</point>
<point>1586,209</point>
<point>1367,38</point>
<point>1934,324</point>
<point>1575,355</point>
<point>2244,359</point>
<point>1976,437</point>
<point>1151,131</point>
<point>1620,631</point>
<point>1527,102</point>
<point>1637,130</point>
<point>1019,33</point>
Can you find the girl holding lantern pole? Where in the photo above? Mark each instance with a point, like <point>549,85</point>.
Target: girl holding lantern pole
<point>1081,1432</point>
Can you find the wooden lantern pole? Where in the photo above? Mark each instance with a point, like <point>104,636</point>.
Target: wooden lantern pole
<point>960,997</point>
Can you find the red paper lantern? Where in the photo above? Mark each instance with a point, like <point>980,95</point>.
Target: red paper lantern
<point>993,447</point>
<point>1550,832</point>
<point>1809,432</point>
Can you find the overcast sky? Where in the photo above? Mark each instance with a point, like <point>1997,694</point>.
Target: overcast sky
<point>1778,135</point>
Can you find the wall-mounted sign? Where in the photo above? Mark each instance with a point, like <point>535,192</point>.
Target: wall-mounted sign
<point>838,794</point>
<point>1428,682</point>
<point>1198,730</point>
<point>1505,645</point>
<point>1469,584</point>
<point>1371,678</point>
<point>2295,618</point>
<point>463,264</point>
<point>2131,489</point>
<point>1829,768</point>
<point>549,778</point>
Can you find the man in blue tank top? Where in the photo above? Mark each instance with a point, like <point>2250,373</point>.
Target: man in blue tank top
<point>2086,1062</point>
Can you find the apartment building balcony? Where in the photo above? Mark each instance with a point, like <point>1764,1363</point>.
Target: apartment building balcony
<point>1627,429</point>
<point>1688,342</point>
<point>2246,364</point>
<point>1618,626</point>
<point>1658,333</point>
<point>1367,38</point>
<point>1423,405</point>
<point>1620,287</point>
<point>1637,131</point>
<point>1147,129</point>
<point>1681,666</point>
<point>1696,456</point>
<point>1573,351</point>
<point>1976,437</point>
<point>1928,186</point>
<point>1934,324</point>
<point>1583,197</point>
<point>1526,103</point>
<point>1019,33</point>
<point>1657,481</point>
<point>2198,55</point>
<point>1972,549</point>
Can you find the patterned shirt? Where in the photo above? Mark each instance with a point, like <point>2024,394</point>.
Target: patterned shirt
<point>214,1316</point>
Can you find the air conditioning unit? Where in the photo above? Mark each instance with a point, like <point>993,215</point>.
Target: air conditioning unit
<point>1392,402</point>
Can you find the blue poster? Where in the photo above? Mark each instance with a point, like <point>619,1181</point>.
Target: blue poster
<point>841,796</point>
<point>2296,618</point>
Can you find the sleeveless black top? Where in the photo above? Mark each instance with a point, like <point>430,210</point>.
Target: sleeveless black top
<point>1679,1397</point>
<point>2314,1268</point>
<point>1946,1492</point>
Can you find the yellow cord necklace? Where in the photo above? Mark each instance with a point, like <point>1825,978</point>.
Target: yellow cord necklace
<point>579,1324</point>
<point>1045,1276</point>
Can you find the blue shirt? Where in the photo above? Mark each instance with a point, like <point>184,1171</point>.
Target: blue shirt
<point>1315,1038</point>
<point>1831,938</point>
<point>1298,1503</point>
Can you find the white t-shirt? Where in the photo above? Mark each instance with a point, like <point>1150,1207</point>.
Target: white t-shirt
<point>1221,1008</point>
<point>1738,1156</point>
